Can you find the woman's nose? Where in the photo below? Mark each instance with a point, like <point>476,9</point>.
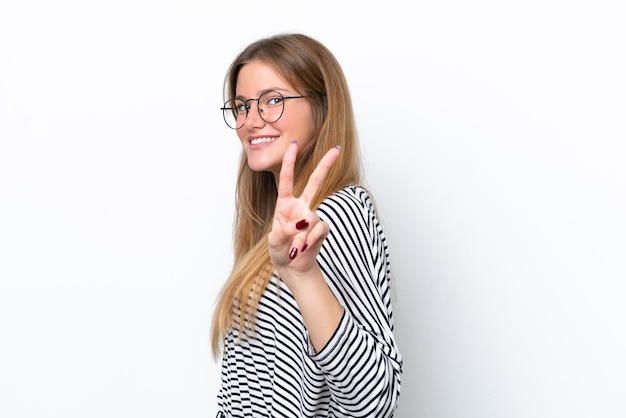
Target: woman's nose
<point>254,119</point>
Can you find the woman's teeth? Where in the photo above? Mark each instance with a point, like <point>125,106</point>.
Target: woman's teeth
<point>257,141</point>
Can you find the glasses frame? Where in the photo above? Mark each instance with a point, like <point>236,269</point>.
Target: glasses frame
<point>258,109</point>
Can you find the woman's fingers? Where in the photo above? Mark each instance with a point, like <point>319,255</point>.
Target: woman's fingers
<point>296,228</point>
<point>316,236</point>
<point>285,182</point>
<point>309,240</point>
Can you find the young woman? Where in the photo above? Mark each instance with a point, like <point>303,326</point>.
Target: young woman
<point>304,323</point>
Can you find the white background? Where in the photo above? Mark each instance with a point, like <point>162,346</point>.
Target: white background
<point>493,136</point>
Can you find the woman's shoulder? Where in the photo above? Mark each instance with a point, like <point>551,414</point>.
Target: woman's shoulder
<point>354,196</point>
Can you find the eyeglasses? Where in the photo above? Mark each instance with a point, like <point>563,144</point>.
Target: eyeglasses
<point>270,106</point>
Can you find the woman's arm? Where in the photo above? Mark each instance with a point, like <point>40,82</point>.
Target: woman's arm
<point>362,363</point>
<point>294,242</point>
<point>336,265</point>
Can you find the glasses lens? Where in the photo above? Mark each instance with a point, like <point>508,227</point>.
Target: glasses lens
<point>271,106</point>
<point>234,113</point>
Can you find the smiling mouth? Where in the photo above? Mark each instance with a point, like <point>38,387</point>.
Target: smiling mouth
<point>264,140</point>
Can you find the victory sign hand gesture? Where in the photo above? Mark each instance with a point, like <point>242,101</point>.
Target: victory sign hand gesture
<point>297,232</point>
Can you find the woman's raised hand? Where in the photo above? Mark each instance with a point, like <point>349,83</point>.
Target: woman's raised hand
<point>297,232</point>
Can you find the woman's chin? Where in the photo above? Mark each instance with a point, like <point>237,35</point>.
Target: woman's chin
<point>259,166</point>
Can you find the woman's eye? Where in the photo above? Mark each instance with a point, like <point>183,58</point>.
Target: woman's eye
<point>273,101</point>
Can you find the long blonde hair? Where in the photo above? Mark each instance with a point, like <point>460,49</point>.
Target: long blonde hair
<point>313,70</point>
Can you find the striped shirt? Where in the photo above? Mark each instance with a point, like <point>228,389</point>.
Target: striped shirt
<point>276,373</point>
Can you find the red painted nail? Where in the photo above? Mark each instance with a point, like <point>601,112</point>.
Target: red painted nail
<point>293,253</point>
<point>302,224</point>
<point>305,246</point>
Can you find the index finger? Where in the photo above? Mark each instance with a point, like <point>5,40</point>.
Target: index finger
<point>285,179</point>
<point>319,174</point>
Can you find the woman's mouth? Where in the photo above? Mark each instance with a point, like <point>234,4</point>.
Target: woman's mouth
<point>262,140</point>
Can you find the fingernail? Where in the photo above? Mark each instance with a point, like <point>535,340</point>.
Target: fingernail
<point>302,224</point>
<point>293,253</point>
<point>338,147</point>
<point>294,142</point>
<point>305,246</point>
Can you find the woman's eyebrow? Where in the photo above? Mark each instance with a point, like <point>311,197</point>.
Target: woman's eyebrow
<point>278,89</point>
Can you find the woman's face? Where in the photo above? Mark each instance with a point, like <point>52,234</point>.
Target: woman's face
<point>265,143</point>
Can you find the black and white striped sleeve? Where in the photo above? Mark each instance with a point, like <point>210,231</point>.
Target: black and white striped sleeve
<point>361,363</point>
